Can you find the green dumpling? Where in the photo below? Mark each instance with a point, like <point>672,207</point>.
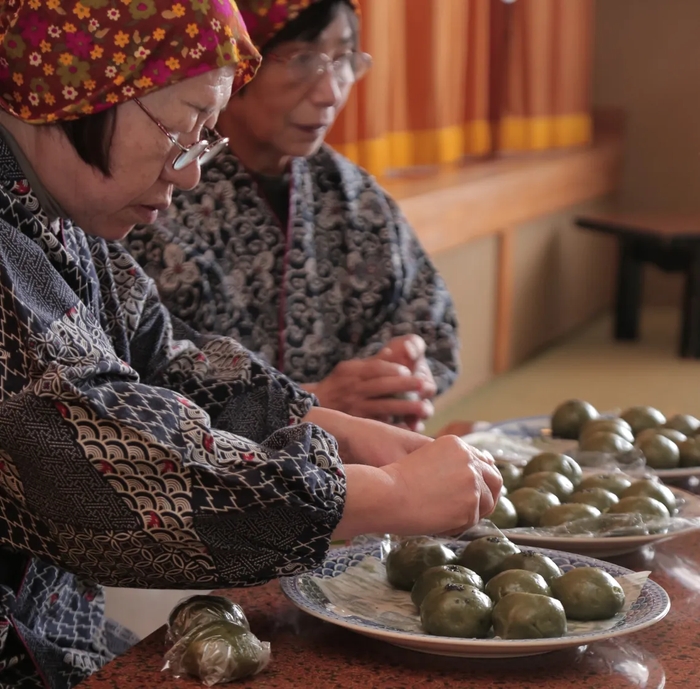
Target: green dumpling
<point>510,473</point>
<point>550,481</point>
<point>561,514</point>
<point>570,416</point>
<point>439,577</point>
<point>588,593</point>
<point>616,426</point>
<point>458,611</point>
<point>599,498</point>
<point>504,515</point>
<point>485,555</point>
<point>219,652</point>
<point>640,504</point>
<point>533,562</point>
<point>643,417</point>
<point>605,443</point>
<point>554,461</point>
<point>615,483</point>
<point>676,436</point>
<point>690,452</point>
<point>528,616</point>
<point>653,489</point>
<point>660,452</point>
<point>531,504</point>
<point>685,423</point>
<point>516,581</point>
<point>201,609</point>
<point>411,557</point>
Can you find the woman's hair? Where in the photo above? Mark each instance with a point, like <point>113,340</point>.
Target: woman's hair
<point>91,137</point>
<point>311,23</point>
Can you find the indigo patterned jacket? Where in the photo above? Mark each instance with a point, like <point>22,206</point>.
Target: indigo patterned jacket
<point>340,279</point>
<point>129,458</point>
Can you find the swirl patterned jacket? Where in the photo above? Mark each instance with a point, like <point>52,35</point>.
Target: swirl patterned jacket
<point>336,281</point>
<point>127,457</point>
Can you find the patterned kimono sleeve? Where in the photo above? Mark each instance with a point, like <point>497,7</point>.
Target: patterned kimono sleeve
<point>128,484</point>
<point>240,392</point>
<point>422,303</point>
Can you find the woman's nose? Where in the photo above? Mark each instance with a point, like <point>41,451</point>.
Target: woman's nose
<point>327,91</point>
<point>186,178</point>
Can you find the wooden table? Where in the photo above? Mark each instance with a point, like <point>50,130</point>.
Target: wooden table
<point>671,242</point>
<point>309,653</point>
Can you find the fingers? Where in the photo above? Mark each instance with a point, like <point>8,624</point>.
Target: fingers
<point>404,387</point>
<point>368,369</point>
<point>414,346</point>
<point>406,349</point>
<point>384,407</point>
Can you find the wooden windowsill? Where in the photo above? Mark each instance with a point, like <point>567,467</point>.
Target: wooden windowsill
<point>451,207</point>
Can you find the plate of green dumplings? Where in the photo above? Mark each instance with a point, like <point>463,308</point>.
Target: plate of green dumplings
<point>486,598</point>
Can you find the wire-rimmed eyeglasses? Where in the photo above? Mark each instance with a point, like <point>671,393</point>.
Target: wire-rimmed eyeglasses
<point>202,151</point>
<point>306,66</point>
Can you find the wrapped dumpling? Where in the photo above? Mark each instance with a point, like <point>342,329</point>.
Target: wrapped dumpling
<point>202,609</point>
<point>218,652</point>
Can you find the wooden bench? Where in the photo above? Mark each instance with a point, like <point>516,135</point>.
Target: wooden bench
<point>671,242</point>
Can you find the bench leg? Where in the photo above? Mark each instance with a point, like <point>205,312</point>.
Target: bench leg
<point>690,335</point>
<point>629,293</point>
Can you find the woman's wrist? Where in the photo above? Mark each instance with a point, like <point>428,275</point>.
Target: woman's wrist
<point>338,424</point>
<point>372,503</point>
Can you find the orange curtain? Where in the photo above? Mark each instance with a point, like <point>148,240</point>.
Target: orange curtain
<point>456,78</point>
<point>546,82</point>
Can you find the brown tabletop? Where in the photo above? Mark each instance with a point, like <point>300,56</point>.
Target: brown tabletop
<point>309,653</point>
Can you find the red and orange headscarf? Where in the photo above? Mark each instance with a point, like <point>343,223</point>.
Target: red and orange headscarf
<point>265,18</point>
<point>61,59</point>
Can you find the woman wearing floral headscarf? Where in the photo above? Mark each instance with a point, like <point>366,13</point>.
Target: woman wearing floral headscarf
<point>296,252</point>
<point>127,457</point>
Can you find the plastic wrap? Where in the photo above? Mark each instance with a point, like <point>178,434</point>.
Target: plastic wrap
<point>217,652</point>
<point>201,609</point>
<point>610,526</point>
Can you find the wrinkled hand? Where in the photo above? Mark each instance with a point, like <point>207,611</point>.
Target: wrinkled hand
<point>409,351</point>
<point>374,388</point>
<point>445,487</point>
<point>364,441</point>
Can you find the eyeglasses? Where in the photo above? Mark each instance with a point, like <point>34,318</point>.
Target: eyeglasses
<point>202,151</point>
<point>306,66</point>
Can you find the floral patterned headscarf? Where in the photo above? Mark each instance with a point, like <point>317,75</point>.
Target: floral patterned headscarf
<point>61,59</point>
<point>265,18</point>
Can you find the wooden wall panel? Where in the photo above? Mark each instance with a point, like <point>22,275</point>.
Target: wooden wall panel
<point>471,275</point>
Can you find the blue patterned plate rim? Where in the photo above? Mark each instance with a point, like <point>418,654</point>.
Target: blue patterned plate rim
<point>651,606</point>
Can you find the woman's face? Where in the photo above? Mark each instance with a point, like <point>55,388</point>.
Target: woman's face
<point>281,117</point>
<point>141,157</point>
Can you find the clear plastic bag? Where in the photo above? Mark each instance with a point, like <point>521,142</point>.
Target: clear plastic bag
<point>217,652</point>
<point>631,462</point>
<point>200,609</point>
<point>209,638</point>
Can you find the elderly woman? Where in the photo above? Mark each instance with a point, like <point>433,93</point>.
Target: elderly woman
<point>294,251</point>
<point>129,458</point>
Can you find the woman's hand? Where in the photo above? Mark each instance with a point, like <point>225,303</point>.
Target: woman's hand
<point>363,441</point>
<point>443,487</point>
<point>373,388</point>
<point>409,351</point>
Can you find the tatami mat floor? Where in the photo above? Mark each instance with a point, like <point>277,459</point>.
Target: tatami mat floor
<point>591,365</point>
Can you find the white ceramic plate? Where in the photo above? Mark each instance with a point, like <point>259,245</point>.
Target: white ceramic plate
<point>538,428</point>
<point>651,606</point>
